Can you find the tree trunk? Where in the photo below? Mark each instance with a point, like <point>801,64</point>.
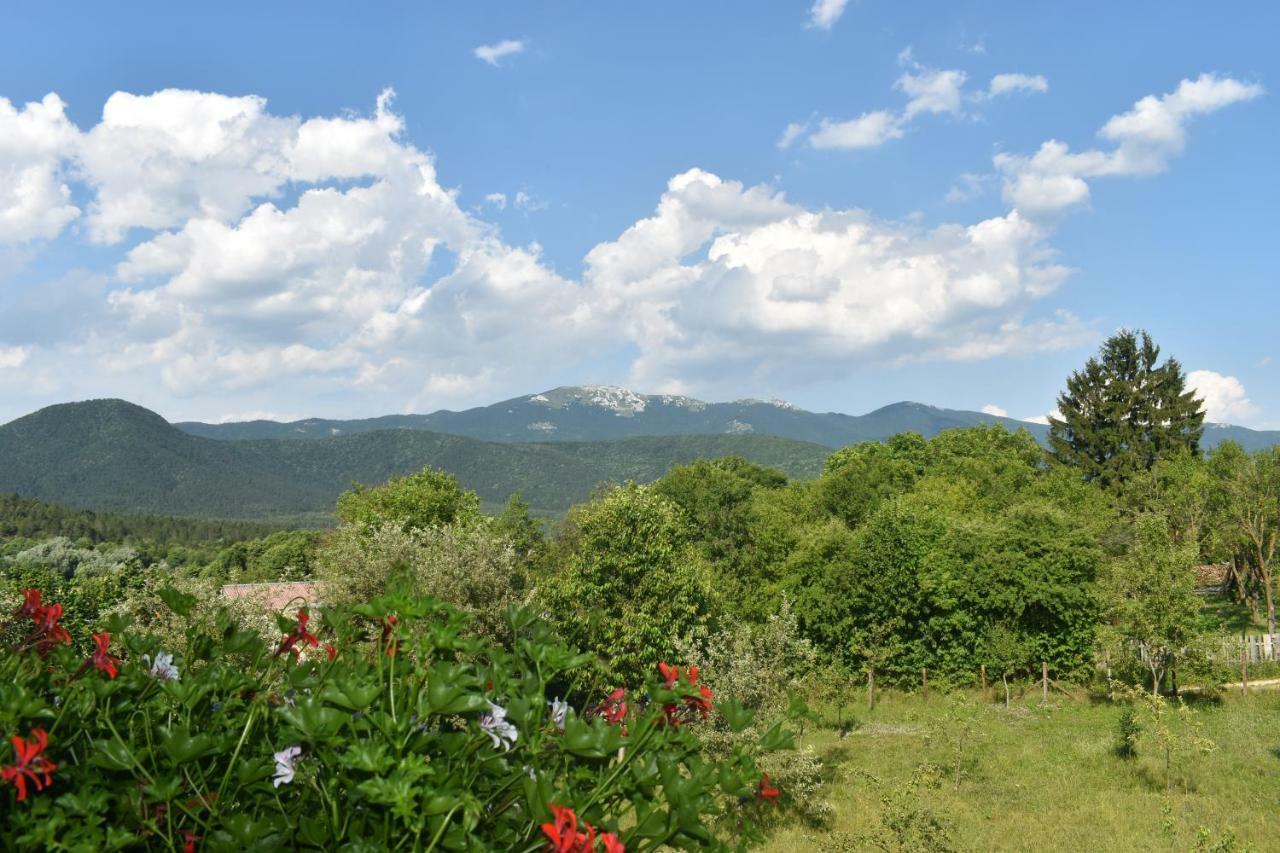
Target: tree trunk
<point>1271,604</point>
<point>1005,679</point>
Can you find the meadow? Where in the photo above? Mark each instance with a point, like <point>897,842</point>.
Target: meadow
<point>1040,777</point>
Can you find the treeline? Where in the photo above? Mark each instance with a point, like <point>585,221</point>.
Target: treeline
<point>28,518</point>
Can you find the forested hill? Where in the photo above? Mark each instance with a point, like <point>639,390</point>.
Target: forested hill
<point>598,413</point>
<point>114,455</point>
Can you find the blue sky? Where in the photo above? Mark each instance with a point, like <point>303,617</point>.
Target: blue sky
<point>606,200</point>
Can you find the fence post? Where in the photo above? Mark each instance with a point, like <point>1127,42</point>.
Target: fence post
<point>984,681</point>
<point>924,681</point>
<point>1244,669</point>
<point>871,688</point>
<point>1044,681</point>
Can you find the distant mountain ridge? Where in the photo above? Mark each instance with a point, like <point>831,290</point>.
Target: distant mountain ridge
<point>114,455</point>
<point>606,412</point>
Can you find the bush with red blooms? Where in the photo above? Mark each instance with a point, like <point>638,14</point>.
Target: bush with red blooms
<point>378,726</point>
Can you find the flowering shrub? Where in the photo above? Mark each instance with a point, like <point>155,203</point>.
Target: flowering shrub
<point>381,725</point>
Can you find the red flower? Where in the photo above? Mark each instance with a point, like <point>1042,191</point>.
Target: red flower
<point>388,628</point>
<point>563,835</point>
<point>189,841</point>
<point>30,608</point>
<point>766,792</point>
<point>699,703</point>
<point>299,634</point>
<point>331,651</point>
<point>100,659</point>
<point>47,632</point>
<point>614,708</point>
<point>29,763</point>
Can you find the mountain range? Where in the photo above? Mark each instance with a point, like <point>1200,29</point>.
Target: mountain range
<point>553,448</point>
<point>114,455</point>
<point>605,412</point>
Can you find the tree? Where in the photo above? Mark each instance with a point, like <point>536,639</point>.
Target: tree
<point>1149,596</point>
<point>1251,486</point>
<point>631,585</point>
<point>423,500</point>
<point>1124,412</point>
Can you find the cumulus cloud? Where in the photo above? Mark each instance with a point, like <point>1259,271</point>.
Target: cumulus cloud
<point>823,14</point>
<point>1225,400</point>
<point>273,260</point>
<point>728,278</point>
<point>495,53</point>
<point>1053,181</point>
<point>1006,84</point>
<point>929,91</point>
<point>35,201</point>
<point>995,411</point>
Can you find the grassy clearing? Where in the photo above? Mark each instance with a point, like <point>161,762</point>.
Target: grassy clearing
<point>1045,778</point>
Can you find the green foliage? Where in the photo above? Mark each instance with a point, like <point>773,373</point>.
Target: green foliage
<point>156,537</point>
<point>113,455</point>
<point>630,585</point>
<point>470,567</point>
<point>283,556</point>
<point>1124,412</point>
<point>411,734</point>
<point>1149,598</point>
<point>423,500</point>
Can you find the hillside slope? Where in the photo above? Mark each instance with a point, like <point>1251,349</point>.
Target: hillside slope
<point>113,455</point>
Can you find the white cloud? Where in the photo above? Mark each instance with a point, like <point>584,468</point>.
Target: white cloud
<point>995,411</point>
<point>1005,84</point>
<point>13,357</point>
<point>726,279</point>
<point>1225,400</point>
<point>35,201</point>
<point>932,90</point>
<point>967,187</point>
<point>528,201</point>
<point>329,259</point>
<point>869,130</point>
<point>498,200</point>
<point>495,53</point>
<point>1053,180</point>
<point>929,91</point>
<point>823,14</point>
<point>791,133</point>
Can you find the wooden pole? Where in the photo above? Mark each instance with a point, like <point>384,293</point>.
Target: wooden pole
<point>1244,668</point>
<point>984,681</point>
<point>1044,681</point>
<point>871,688</point>
<point>924,681</point>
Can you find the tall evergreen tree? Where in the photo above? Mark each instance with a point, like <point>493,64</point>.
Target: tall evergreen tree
<point>1124,411</point>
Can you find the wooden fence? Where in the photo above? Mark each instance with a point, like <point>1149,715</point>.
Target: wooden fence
<point>1255,648</point>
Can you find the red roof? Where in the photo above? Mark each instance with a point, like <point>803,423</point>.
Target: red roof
<point>275,596</point>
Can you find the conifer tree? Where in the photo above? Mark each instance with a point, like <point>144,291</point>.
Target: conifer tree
<point>1124,411</point>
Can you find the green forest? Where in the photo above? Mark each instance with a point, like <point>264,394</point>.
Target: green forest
<point>914,615</point>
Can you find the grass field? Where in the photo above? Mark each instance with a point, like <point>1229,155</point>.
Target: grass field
<point>1043,778</point>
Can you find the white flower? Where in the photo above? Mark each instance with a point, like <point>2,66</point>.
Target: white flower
<point>495,725</point>
<point>286,760</point>
<point>559,711</point>
<point>162,669</point>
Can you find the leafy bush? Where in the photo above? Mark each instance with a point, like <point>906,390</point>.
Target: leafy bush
<point>384,725</point>
<point>466,566</point>
<point>631,583</point>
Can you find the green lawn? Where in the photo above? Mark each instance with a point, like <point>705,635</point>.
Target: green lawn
<point>1046,778</point>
